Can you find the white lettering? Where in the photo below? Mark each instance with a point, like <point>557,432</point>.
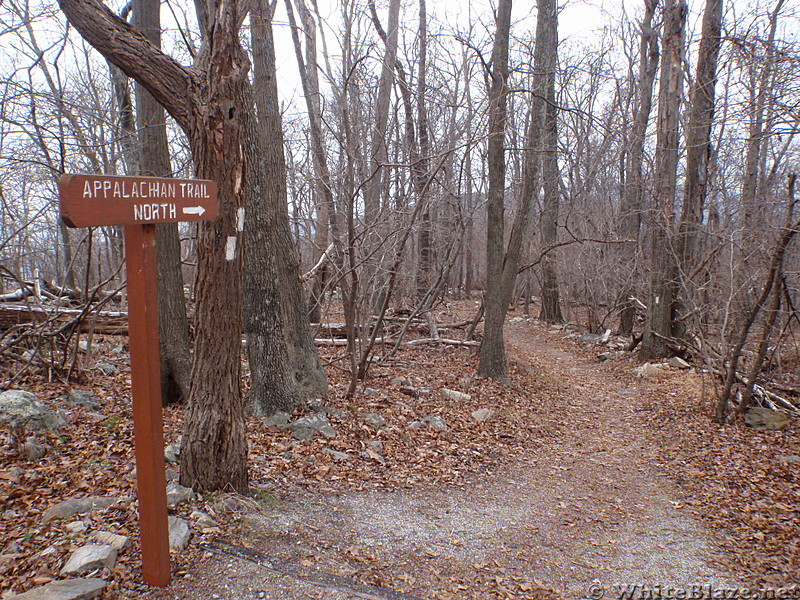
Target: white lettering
<point>173,211</point>
<point>87,190</point>
<point>98,185</point>
<point>117,193</point>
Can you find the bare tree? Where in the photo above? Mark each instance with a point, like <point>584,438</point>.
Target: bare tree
<point>207,101</point>
<point>663,267</point>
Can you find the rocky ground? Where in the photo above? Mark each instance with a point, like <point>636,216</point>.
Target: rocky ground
<point>577,477</point>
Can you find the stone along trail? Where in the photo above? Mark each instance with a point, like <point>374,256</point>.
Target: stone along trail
<point>593,506</point>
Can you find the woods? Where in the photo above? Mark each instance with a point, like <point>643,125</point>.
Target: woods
<point>377,162</point>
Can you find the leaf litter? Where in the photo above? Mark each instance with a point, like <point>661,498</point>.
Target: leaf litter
<point>527,504</point>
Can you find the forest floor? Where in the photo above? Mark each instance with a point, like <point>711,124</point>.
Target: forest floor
<point>586,478</point>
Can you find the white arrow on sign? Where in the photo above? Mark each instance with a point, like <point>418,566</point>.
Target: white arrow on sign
<point>193,210</point>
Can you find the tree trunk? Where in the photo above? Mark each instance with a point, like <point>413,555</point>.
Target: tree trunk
<point>207,101</point>
<point>630,217</point>
<point>493,355</point>
<point>502,268</point>
<point>273,236</point>
<point>173,326</point>
<point>424,242</point>
<point>272,386</point>
<point>698,136</point>
<point>754,216</point>
<point>551,301</point>
<point>374,187</point>
<point>663,270</point>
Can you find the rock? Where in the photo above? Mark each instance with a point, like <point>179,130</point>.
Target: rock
<point>176,493</point>
<point>106,368</point>
<point>591,338</point>
<point>76,527</point>
<point>516,320</point>
<point>678,363</point>
<point>77,506</point>
<point>342,456</point>
<point>317,423</point>
<point>116,541</point>
<point>456,396</point>
<point>32,449</point>
<point>482,414</point>
<point>90,557</point>
<point>647,371</point>
<point>435,422</point>
<point>764,418</point>
<point>172,453</point>
<point>371,454</point>
<point>605,337</point>
<point>371,392</point>
<point>232,504</point>
<point>604,356</point>
<point>179,534</point>
<point>171,474</point>
<point>791,459</point>
<point>375,445</point>
<point>303,433</point>
<point>374,419</point>
<point>425,391</point>
<point>203,519</point>
<point>279,420</point>
<point>19,408</point>
<point>84,398</point>
<point>415,425</point>
<point>65,589</point>
<point>401,382</point>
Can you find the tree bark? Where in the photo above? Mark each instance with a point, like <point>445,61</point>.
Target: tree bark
<point>493,355</point>
<point>173,326</point>
<point>207,101</point>
<point>274,273</point>
<point>502,268</point>
<point>698,136</point>
<point>630,217</point>
<point>551,301</point>
<point>663,270</point>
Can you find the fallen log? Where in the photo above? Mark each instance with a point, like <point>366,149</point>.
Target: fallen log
<point>104,322</point>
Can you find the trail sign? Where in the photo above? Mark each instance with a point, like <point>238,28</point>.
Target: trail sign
<point>139,203</point>
<point>93,200</point>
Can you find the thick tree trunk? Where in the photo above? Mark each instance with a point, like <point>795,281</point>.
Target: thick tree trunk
<point>493,355</point>
<point>280,271</point>
<point>272,385</point>
<point>551,300</point>
<point>153,160</point>
<point>630,217</point>
<point>663,270</point>
<point>207,101</point>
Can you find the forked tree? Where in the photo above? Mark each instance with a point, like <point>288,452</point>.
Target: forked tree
<point>207,101</point>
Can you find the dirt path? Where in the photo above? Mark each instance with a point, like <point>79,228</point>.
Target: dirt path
<point>593,507</point>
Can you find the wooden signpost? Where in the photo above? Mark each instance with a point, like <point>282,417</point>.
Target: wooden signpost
<point>139,203</point>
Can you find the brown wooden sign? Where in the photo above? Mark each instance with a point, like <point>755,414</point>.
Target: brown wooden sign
<point>94,200</point>
<point>139,203</point>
